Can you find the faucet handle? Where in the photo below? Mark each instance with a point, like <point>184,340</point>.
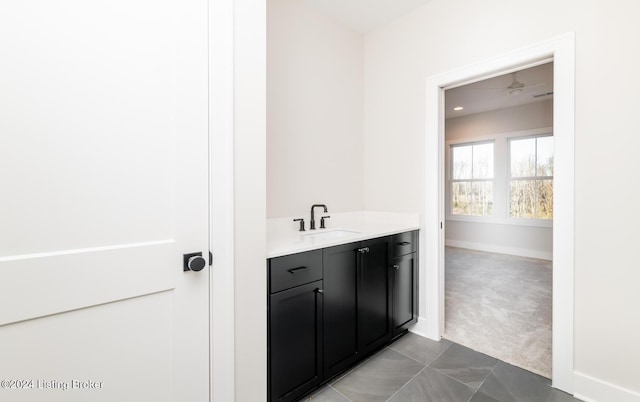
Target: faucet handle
<point>322,221</point>
<point>301,224</point>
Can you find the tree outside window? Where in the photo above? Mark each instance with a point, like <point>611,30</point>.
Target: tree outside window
<point>472,179</point>
<point>531,178</point>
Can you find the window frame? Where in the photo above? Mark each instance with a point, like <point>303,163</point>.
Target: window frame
<point>501,178</point>
<point>511,178</point>
<point>472,180</point>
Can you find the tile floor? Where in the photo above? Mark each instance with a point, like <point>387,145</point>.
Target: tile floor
<point>421,370</point>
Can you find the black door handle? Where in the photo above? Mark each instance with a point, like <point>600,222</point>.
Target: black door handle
<point>193,262</point>
<point>294,270</point>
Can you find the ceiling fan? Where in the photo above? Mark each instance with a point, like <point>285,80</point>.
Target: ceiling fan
<point>516,87</point>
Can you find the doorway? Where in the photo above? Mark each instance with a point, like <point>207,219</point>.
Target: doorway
<point>561,51</point>
<point>499,215</point>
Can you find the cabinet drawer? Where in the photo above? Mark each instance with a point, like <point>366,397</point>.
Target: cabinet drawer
<point>404,243</point>
<point>294,270</point>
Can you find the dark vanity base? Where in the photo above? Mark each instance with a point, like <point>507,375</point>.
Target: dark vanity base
<point>329,309</point>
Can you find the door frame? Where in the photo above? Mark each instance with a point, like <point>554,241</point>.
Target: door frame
<point>221,201</point>
<point>562,51</point>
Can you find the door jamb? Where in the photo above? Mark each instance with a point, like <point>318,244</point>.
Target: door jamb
<point>221,201</point>
<point>431,322</point>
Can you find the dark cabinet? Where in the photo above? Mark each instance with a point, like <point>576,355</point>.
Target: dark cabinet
<point>330,308</point>
<point>374,287</point>
<point>357,309</point>
<point>404,281</point>
<point>294,270</point>
<point>340,276</point>
<point>295,327</point>
<point>404,292</point>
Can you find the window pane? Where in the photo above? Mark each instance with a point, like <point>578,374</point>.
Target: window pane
<point>462,162</point>
<point>544,199</point>
<point>483,161</point>
<point>545,156</point>
<point>522,203</point>
<point>482,204</point>
<point>460,198</point>
<point>523,155</point>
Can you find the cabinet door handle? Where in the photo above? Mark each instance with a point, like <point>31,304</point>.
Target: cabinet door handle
<point>363,250</point>
<point>293,270</point>
<point>396,266</point>
<point>404,243</point>
<point>319,291</point>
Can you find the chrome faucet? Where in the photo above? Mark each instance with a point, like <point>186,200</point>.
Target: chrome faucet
<point>312,224</point>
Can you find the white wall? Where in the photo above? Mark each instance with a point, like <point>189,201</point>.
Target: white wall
<point>524,241</point>
<point>524,117</point>
<point>314,114</point>
<point>250,200</point>
<point>517,239</point>
<point>446,34</point>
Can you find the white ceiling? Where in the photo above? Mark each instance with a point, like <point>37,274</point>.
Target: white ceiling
<point>365,15</point>
<point>493,94</point>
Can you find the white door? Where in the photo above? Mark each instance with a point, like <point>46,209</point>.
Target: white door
<point>103,189</point>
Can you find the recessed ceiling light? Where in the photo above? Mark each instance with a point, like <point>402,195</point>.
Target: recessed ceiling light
<point>457,108</point>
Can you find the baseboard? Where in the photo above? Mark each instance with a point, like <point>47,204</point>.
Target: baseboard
<point>591,389</point>
<point>492,248</point>
<point>421,328</point>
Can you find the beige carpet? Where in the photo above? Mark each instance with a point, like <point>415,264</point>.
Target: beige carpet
<point>500,305</point>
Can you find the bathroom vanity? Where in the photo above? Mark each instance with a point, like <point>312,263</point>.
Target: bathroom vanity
<point>330,307</point>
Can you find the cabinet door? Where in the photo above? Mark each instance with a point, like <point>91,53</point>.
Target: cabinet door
<point>340,276</point>
<point>374,287</point>
<point>295,318</point>
<point>404,292</point>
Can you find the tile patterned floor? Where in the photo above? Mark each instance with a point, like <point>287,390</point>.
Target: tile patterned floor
<point>421,370</point>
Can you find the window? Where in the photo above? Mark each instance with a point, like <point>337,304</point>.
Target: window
<point>503,178</point>
<point>531,178</point>
<point>472,179</point>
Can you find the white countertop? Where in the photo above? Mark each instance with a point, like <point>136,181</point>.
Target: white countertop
<point>283,237</point>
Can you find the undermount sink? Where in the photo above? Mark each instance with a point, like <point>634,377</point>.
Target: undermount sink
<point>331,234</point>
